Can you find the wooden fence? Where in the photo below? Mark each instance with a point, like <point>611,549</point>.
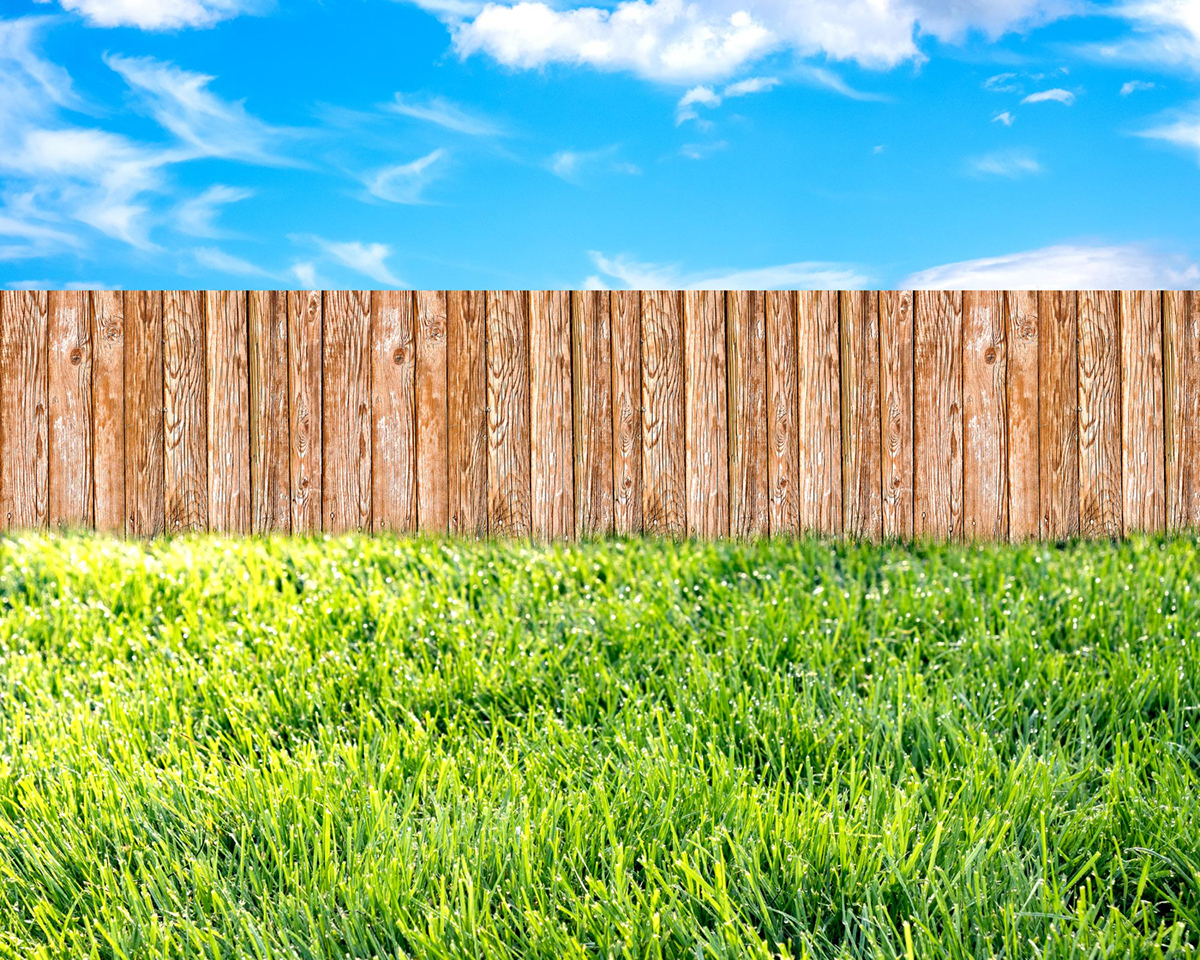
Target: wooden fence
<point>977,415</point>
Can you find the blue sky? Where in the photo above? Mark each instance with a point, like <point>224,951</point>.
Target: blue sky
<point>558,144</point>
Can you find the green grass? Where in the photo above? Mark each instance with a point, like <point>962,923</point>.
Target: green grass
<point>390,748</point>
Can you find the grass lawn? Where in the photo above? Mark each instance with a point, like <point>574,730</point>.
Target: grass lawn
<point>396,748</point>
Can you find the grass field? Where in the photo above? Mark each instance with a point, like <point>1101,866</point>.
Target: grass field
<point>390,748</point>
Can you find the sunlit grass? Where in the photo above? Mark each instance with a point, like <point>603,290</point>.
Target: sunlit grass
<point>391,748</point>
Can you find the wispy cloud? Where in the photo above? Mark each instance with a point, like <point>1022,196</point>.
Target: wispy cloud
<point>197,216</point>
<point>306,273</point>
<point>1005,118</point>
<point>1066,266</point>
<point>1182,132</point>
<point>444,113</point>
<point>1135,86</point>
<point>1055,95</point>
<point>706,96</point>
<point>217,259</point>
<point>702,151</point>
<point>369,259</point>
<point>808,275</point>
<point>574,165</point>
<point>206,125</point>
<point>1011,164</point>
<point>406,182</point>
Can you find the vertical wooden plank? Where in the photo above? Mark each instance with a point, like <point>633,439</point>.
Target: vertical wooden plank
<point>70,428</point>
<point>305,322</point>
<point>24,441</point>
<point>433,495</point>
<point>1021,328</point>
<point>1143,474</point>
<point>229,416</point>
<point>937,416</point>
<point>145,502</point>
<point>784,483</point>
<point>819,424</point>
<point>1181,407</point>
<point>985,438</point>
<point>270,457</point>
<point>108,405</point>
<point>862,471</point>
<point>1058,414</point>
<point>896,411</point>
<point>626,316</point>
<point>1100,481</point>
<point>346,411</point>
<point>508,413</point>
<point>393,411</point>
<point>591,335</point>
<point>746,350</point>
<point>185,435</point>
<point>468,433</point>
<point>663,484</point>
<point>551,470</point>
<point>706,414</point>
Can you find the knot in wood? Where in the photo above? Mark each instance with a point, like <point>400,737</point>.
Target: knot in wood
<point>398,356</point>
<point>990,355</point>
<point>76,357</point>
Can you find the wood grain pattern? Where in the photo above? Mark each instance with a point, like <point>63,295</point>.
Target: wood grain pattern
<point>1181,407</point>
<point>1143,462</point>
<point>433,470</point>
<point>591,336</point>
<point>784,445</point>
<point>896,411</point>
<point>819,423</point>
<point>663,448</point>
<point>1058,415</point>
<point>393,412</point>
<point>227,331</point>
<point>1021,331</point>
<point>552,482</point>
<point>346,412</point>
<point>145,499</point>
<point>862,471</point>
<point>467,452</point>
<point>509,512</point>
<point>108,410</point>
<point>305,322</point>
<point>706,415</point>
<point>24,430</point>
<point>185,400</point>
<point>626,318</point>
<point>270,458</point>
<point>746,351</point>
<point>985,416</point>
<point>70,393</point>
<point>937,416</point>
<point>1100,481</point>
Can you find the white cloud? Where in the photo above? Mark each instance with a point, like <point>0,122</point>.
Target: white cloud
<point>1067,266</point>
<point>1057,95</point>
<point>572,165</point>
<point>1135,86</point>
<point>444,113</point>
<point>702,151</point>
<point>306,273</point>
<point>405,182</point>
<point>751,85</point>
<point>219,260</point>
<point>1005,118</point>
<point>706,40</point>
<point>1002,83</point>
<point>181,102</point>
<point>1183,132</point>
<point>1011,164</point>
<point>158,14</point>
<point>1165,32</point>
<point>369,259</point>
<point>791,276</point>
<point>197,216</point>
<point>706,96</point>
